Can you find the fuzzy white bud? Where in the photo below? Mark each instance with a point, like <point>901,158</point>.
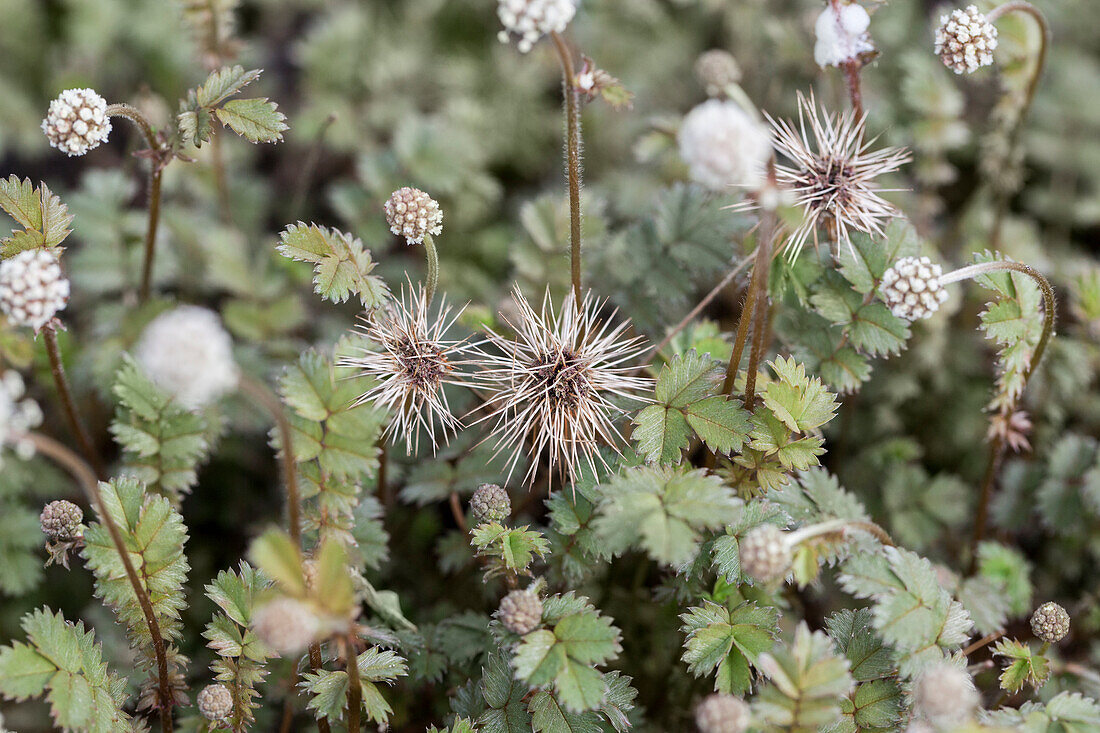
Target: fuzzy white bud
<point>841,34</point>
<point>17,416</point>
<point>720,713</point>
<point>912,288</point>
<point>723,146</point>
<point>965,40</point>
<point>215,702</point>
<point>32,288</point>
<point>77,121</point>
<point>187,353</point>
<point>945,696</point>
<point>286,625</point>
<point>413,214</point>
<point>765,553</point>
<point>529,20</point>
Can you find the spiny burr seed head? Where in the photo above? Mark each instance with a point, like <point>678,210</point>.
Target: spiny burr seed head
<point>520,611</point>
<point>286,625</point>
<point>965,40</point>
<point>215,702</point>
<point>529,20</point>
<point>720,713</point>
<point>912,289</point>
<point>32,288</point>
<point>77,121</point>
<point>490,503</point>
<point>61,521</point>
<point>765,555</point>
<point>412,214</point>
<point>1050,622</point>
<point>945,696</point>
<point>717,70</point>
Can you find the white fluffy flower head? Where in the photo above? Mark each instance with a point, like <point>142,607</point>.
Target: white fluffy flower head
<point>965,40</point>
<point>945,696</point>
<point>77,121</point>
<point>529,20</point>
<point>842,36</point>
<point>552,384</point>
<point>187,353</point>
<point>412,361</point>
<point>912,288</point>
<point>32,288</point>
<point>287,625</point>
<point>723,146</point>
<point>18,416</point>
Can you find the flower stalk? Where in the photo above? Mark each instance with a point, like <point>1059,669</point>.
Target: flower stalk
<point>432,278</point>
<point>264,396</point>
<point>68,404</point>
<point>573,158</point>
<point>355,689</point>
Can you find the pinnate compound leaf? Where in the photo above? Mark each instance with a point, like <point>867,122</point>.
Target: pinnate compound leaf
<point>728,642</point>
<point>342,266</point>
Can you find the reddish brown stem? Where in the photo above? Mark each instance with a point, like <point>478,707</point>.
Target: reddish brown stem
<point>260,392</point>
<point>573,158</point>
<point>68,404</point>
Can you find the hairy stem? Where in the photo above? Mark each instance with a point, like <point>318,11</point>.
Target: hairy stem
<point>760,273</point>
<point>355,688</point>
<point>315,663</point>
<point>852,68</point>
<point>262,394</point>
<point>834,526</point>
<point>135,116</point>
<point>573,158</point>
<point>432,279</point>
<point>83,473</point>
<point>68,404</point>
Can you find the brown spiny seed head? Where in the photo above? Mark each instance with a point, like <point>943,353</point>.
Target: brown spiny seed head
<point>77,121</point>
<point>61,521</point>
<point>965,40</point>
<point>215,702</point>
<point>490,503</point>
<point>520,611</point>
<point>413,214</point>
<point>286,625</point>
<point>1050,622</point>
<point>912,288</point>
<point>765,554</point>
<point>720,713</point>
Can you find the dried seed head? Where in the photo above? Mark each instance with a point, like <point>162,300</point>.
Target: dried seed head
<point>286,625</point>
<point>765,554</point>
<point>723,146</point>
<point>965,40</point>
<point>490,503</point>
<point>520,611</point>
<point>412,359</point>
<point>945,695</point>
<point>832,174</point>
<point>77,121</point>
<point>552,384</point>
<point>912,288</point>
<point>717,70</point>
<point>18,416</point>
<point>32,288</point>
<point>412,214</point>
<point>529,20</point>
<point>842,36</point>
<point>1050,622</point>
<point>62,521</point>
<point>215,702</point>
<point>188,353</point>
<point>720,713</point>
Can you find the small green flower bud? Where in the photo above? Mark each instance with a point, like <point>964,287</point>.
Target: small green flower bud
<point>490,503</point>
<point>1050,622</point>
<point>520,611</point>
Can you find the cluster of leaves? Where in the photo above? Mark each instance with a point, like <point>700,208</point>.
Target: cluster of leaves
<point>257,120</point>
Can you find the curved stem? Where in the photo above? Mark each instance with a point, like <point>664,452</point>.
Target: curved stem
<point>456,512</point>
<point>572,158</point>
<point>262,394</point>
<point>355,689</point>
<point>834,526</point>
<point>135,116</point>
<point>432,279</point>
<point>64,392</point>
<point>83,473</point>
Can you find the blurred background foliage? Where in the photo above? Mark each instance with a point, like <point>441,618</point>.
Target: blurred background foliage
<point>384,93</point>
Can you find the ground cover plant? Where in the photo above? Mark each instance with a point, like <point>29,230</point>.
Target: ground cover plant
<point>543,365</point>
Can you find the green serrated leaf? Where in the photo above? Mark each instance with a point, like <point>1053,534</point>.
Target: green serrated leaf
<point>257,120</point>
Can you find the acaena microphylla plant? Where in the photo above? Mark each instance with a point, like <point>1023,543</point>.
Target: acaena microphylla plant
<point>315,482</point>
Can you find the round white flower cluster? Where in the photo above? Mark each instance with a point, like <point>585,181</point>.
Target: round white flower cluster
<point>912,288</point>
<point>765,555</point>
<point>286,625</point>
<point>965,40</point>
<point>945,696</point>
<point>841,34</point>
<point>32,288</point>
<point>718,70</point>
<point>412,214</point>
<point>723,146</point>
<point>720,713</point>
<point>18,416</point>
<point>77,121</point>
<point>530,20</point>
<point>187,353</point>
